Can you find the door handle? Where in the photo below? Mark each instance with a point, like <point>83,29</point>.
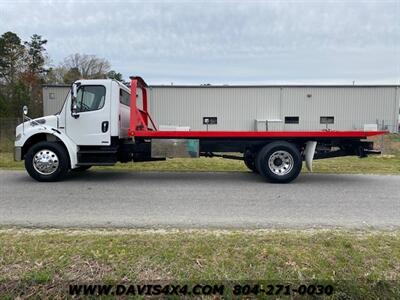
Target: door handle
<point>104,126</point>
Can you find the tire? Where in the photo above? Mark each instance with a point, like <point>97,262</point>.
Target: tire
<point>47,161</point>
<point>279,162</point>
<point>250,161</point>
<point>81,168</point>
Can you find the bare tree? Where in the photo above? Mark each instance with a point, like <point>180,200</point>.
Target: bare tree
<point>88,66</point>
<point>56,75</point>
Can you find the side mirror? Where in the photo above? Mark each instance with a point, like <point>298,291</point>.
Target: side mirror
<point>25,110</point>
<point>74,90</point>
<point>74,110</point>
<point>74,105</point>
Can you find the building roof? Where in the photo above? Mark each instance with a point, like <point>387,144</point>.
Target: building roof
<point>56,85</point>
<point>276,86</point>
<point>254,86</point>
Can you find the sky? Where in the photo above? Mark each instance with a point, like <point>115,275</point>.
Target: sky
<point>222,42</point>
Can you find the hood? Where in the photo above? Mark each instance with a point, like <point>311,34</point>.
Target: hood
<point>48,121</point>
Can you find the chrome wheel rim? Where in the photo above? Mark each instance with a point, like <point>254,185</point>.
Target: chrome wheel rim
<point>45,162</point>
<point>280,162</point>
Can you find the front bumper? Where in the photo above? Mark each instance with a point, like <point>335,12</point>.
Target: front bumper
<point>17,153</point>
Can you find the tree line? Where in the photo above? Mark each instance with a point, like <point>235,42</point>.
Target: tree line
<point>25,66</point>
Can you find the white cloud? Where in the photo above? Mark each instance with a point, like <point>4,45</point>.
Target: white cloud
<point>222,41</point>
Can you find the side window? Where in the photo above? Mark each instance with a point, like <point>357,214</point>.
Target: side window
<point>90,97</point>
<point>327,120</point>
<point>292,120</point>
<point>124,97</point>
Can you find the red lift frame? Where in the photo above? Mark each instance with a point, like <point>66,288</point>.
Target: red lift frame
<point>139,121</point>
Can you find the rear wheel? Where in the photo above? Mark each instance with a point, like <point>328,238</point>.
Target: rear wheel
<point>46,161</point>
<point>279,162</point>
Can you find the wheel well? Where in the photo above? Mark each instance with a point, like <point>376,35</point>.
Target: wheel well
<point>254,149</point>
<point>42,137</point>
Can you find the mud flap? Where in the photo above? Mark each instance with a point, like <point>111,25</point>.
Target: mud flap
<point>309,154</point>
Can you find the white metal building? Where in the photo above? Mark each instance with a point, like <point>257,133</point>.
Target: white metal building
<point>53,97</point>
<point>269,107</point>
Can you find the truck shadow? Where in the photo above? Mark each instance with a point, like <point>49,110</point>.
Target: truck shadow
<point>102,175</point>
<point>226,177</point>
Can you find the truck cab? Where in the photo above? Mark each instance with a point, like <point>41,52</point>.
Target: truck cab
<point>94,120</point>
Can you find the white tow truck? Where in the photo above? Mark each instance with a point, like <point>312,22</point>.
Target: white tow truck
<point>100,123</point>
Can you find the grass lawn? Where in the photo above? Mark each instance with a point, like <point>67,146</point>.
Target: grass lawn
<point>359,265</point>
<point>389,164</point>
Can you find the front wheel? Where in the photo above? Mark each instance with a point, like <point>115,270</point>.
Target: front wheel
<point>47,161</point>
<point>279,162</point>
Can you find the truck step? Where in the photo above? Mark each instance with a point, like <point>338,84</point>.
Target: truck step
<point>97,151</point>
<point>95,164</point>
<point>97,156</point>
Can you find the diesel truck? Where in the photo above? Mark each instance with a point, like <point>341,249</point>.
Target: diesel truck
<point>102,123</point>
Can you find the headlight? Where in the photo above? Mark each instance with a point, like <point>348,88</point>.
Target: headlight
<point>18,137</point>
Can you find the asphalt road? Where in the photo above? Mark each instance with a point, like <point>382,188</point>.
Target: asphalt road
<point>199,200</point>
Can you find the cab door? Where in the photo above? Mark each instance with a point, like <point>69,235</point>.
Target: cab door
<point>91,125</point>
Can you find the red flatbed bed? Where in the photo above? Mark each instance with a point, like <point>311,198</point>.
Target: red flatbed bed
<point>140,121</point>
<point>254,134</point>
<point>276,155</point>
